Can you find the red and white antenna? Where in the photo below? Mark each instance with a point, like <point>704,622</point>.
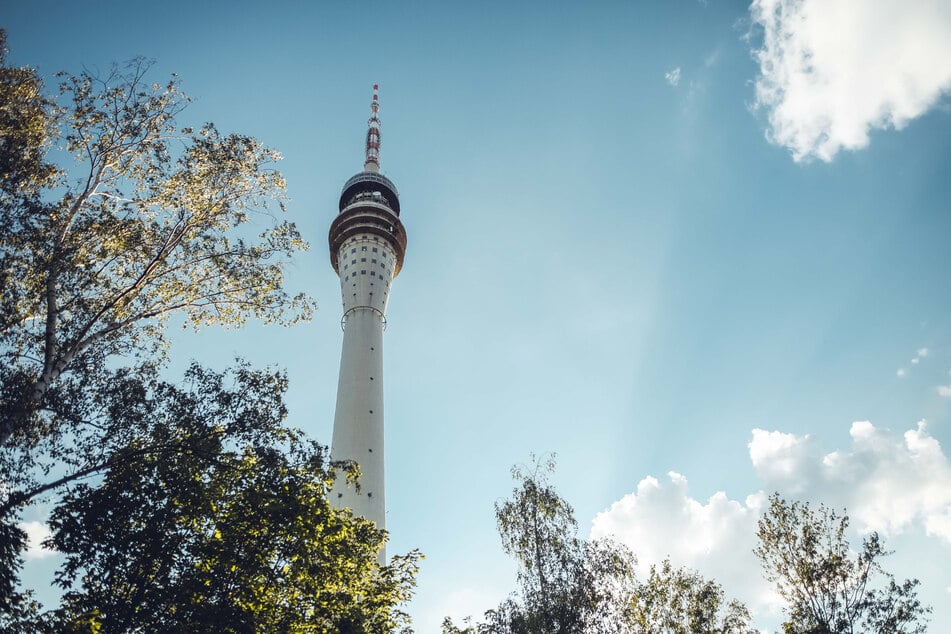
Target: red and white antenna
<point>372,163</point>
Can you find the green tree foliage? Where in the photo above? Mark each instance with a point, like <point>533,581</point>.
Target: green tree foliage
<point>568,585</point>
<point>25,131</point>
<point>147,220</point>
<point>680,601</point>
<point>137,221</point>
<point>830,589</point>
<point>211,515</point>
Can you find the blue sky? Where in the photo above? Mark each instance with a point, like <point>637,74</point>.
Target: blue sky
<point>637,233</point>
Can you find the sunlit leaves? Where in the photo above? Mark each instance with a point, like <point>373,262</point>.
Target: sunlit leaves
<point>152,221</point>
<point>210,515</point>
<point>25,132</point>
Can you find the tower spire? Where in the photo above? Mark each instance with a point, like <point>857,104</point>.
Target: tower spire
<point>372,162</point>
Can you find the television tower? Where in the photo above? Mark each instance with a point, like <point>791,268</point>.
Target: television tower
<point>367,244</point>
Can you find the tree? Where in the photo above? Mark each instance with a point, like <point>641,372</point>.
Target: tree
<point>569,585</point>
<point>211,515</point>
<point>566,584</point>
<point>828,588</point>
<point>150,221</point>
<point>153,221</point>
<point>680,601</point>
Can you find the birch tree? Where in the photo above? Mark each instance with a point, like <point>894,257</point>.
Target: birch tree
<point>140,220</point>
<point>115,219</point>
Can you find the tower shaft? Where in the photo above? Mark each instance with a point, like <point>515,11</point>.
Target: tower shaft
<point>367,245</point>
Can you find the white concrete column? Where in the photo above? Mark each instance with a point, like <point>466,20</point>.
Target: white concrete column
<point>358,420</point>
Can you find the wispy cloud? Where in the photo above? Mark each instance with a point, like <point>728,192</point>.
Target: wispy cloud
<point>915,360</point>
<point>831,71</point>
<point>944,390</point>
<point>673,77</point>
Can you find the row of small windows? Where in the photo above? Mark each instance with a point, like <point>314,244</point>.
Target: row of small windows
<point>363,248</point>
<point>372,261</point>
<point>364,272</point>
<point>366,242</point>
<point>385,272</point>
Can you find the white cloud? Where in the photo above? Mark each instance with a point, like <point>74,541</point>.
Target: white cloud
<point>900,373</point>
<point>922,352</point>
<point>784,458</point>
<point>716,537</point>
<point>888,482</point>
<point>673,77</point>
<point>36,534</point>
<point>944,390</point>
<point>832,70</point>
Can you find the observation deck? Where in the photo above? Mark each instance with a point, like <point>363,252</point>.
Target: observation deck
<point>369,204</point>
<point>369,182</point>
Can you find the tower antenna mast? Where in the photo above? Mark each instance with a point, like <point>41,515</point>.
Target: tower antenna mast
<point>372,163</point>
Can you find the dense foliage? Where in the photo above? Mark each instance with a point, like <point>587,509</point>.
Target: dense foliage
<point>215,517</point>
